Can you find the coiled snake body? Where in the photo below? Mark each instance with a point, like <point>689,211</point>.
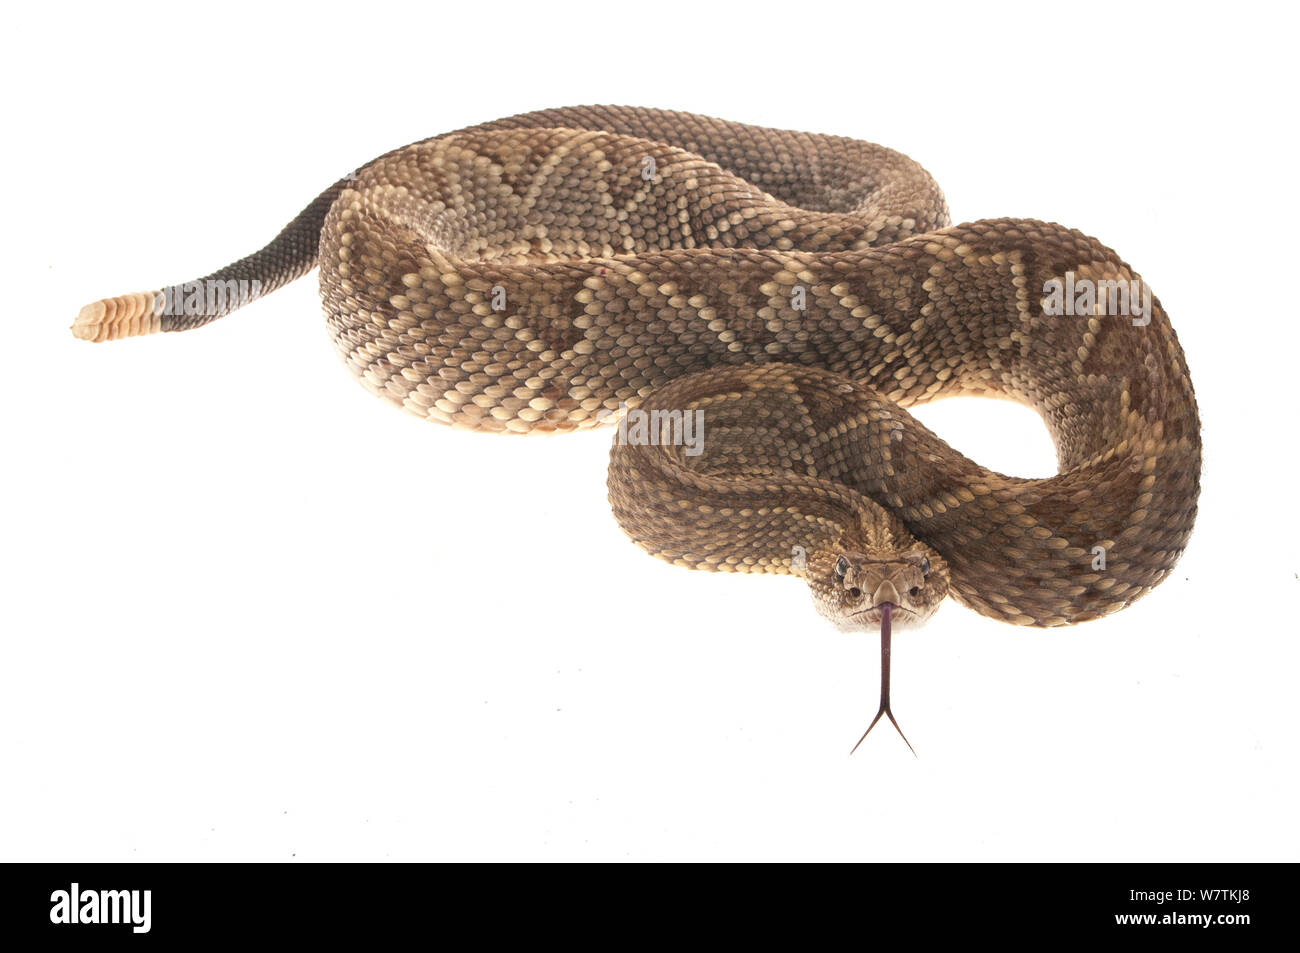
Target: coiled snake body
<point>549,271</point>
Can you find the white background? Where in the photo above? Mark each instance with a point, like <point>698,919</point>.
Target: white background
<point>251,612</point>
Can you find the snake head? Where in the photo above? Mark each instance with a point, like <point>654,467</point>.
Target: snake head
<point>851,585</point>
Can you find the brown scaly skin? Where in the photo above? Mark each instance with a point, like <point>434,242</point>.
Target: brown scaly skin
<point>526,275</point>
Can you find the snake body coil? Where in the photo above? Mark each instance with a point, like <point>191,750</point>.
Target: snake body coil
<point>549,271</point>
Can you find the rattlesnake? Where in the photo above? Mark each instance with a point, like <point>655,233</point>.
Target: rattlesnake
<point>553,270</point>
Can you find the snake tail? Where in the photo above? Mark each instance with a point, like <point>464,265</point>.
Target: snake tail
<point>192,304</point>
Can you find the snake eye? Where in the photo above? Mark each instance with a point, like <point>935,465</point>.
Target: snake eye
<point>925,566</point>
<point>841,568</point>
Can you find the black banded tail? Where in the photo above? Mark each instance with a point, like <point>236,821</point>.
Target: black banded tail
<point>288,256</point>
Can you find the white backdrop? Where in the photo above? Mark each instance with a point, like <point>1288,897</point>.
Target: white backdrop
<point>251,612</point>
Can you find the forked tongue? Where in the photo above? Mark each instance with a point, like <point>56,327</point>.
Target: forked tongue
<point>886,611</point>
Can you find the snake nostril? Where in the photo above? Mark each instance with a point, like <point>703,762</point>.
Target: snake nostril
<point>914,591</point>
<point>855,593</point>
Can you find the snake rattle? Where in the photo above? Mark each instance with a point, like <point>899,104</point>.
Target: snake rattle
<point>794,293</point>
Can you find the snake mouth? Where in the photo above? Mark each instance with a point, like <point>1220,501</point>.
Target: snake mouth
<point>874,615</point>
